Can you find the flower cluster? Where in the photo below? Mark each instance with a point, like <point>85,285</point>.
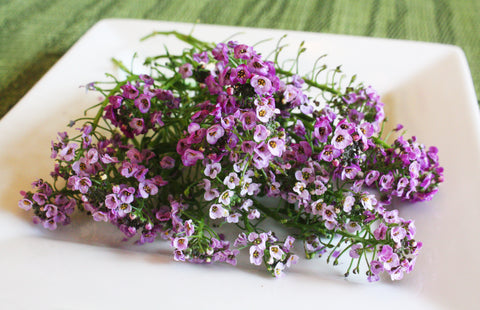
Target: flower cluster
<point>203,140</point>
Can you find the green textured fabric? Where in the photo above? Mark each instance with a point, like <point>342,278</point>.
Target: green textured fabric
<point>34,34</point>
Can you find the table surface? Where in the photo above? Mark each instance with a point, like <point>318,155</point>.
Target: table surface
<point>34,34</point>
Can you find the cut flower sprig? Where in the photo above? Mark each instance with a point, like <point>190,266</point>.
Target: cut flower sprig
<point>198,144</point>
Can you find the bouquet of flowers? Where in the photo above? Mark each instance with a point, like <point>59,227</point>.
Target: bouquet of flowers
<point>218,136</point>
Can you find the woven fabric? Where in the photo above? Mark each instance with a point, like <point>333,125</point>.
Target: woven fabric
<point>34,34</point>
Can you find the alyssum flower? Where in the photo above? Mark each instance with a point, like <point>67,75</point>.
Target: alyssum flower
<point>197,144</point>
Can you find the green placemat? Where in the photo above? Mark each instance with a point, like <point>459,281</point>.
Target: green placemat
<point>34,34</point>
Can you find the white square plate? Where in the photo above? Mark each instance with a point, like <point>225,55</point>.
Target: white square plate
<point>426,87</point>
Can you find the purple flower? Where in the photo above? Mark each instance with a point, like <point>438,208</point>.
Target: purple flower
<point>143,103</point>
<point>81,184</point>
<point>231,257</point>
<point>137,124</point>
<point>288,244</point>
<point>290,93</point>
<point>386,181</point>
<point>228,122</point>
<point>258,239</point>
<point>350,172</point>
<point>124,209</point>
<point>180,243</point>
<point>225,197</point>
<point>211,170</point>
<point>185,70</point>
<point>356,250</point>
<point>368,200</point>
<point>398,233</point>
<point>385,253</point>
<point>214,133</point>
<point>302,150</point>
<point>178,255</point>
<point>391,262</point>
<point>276,252</point>
<point>220,52</point>
<point>156,118</point>
<point>190,157</point>
<point>129,91</point>
<point>253,214</point>
<point>376,267</point>
<point>68,152</point>
<point>329,153</point>
<point>100,216</point>
<point>261,133</point>
<point>111,201</point>
<point>218,211</point>
<point>116,101</point>
<point>278,270</point>
<point>233,218</point>
<point>248,120</point>
<point>240,74</point>
<point>256,255</point>
<point>256,65</point>
<point>371,177</point>
<point>189,228</point>
<point>301,190</point>
<point>148,80</point>
<point>126,194</point>
<point>291,260</point>
<point>348,203</point>
<point>242,51</point>
<point>50,224</point>
<point>352,227</point>
<point>201,57</point>
<point>328,213</point>
<point>51,210</point>
<point>241,240</point>
<point>381,232</point>
<point>25,204</point>
<point>147,188</point>
<point>107,159</point>
<point>264,113</point>
<point>397,273</point>
<point>210,193</point>
<point>299,129</point>
<point>305,175</point>
<point>341,139</point>
<point>261,84</point>
<point>276,146</point>
<point>322,129</point>
<point>167,162</point>
<point>248,146</point>
<point>391,217</point>
<point>231,180</point>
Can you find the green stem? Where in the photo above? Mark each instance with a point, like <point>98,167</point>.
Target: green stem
<point>312,83</point>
